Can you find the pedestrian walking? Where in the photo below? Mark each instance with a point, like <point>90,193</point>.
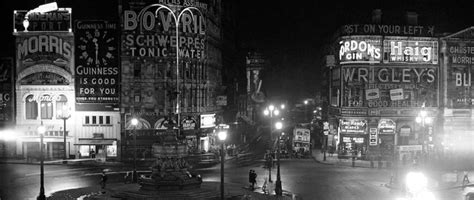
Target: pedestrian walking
<point>264,186</point>
<point>250,178</point>
<point>103,180</point>
<point>465,179</point>
<point>253,179</point>
<point>127,178</point>
<point>92,154</point>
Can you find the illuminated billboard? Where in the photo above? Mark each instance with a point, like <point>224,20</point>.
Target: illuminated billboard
<point>360,49</point>
<point>353,126</point>
<point>389,86</point>
<point>410,50</point>
<point>460,57</point>
<point>97,77</point>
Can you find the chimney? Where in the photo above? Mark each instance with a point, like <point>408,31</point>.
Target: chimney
<point>412,18</point>
<point>377,16</point>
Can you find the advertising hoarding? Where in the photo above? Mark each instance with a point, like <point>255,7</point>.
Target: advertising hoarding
<point>460,57</point>
<point>97,77</point>
<point>208,121</point>
<point>354,126</point>
<point>410,50</point>
<point>39,51</point>
<point>59,20</point>
<point>387,29</point>
<point>360,49</point>
<point>6,90</point>
<point>389,86</point>
<point>149,52</point>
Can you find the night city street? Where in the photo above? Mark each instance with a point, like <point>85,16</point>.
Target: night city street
<point>304,177</point>
<point>237,100</point>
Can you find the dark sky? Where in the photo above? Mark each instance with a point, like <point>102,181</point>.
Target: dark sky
<point>290,33</point>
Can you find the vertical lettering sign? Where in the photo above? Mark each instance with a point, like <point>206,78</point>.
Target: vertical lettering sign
<point>460,59</point>
<point>6,90</point>
<point>97,72</point>
<point>404,50</point>
<point>360,49</point>
<point>59,20</point>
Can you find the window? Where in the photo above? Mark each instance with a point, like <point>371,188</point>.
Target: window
<point>61,107</point>
<point>98,120</point>
<point>137,70</point>
<point>46,107</point>
<point>31,107</point>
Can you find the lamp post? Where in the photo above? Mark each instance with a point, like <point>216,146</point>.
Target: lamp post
<point>271,111</point>
<point>306,110</point>
<point>134,122</point>
<point>424,119</point>
<point>176,16</point>
<point>222,134</point>
<point>64,114</point>
<point>41,131</point>
<point>278,189</point>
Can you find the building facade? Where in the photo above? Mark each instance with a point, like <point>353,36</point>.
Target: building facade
<point>166,93</point>
<point>383,78</point>
<point>91,77</point>
<point>44,84</point>
<point>457,59</point>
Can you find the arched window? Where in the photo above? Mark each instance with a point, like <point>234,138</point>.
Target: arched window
<point>61,106</point>
<point>31,107</point>
<point>46,107</point>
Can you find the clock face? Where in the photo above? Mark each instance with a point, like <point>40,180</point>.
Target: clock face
<point>97,48</point>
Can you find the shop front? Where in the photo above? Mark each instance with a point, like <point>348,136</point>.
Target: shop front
<point>352,137</point>
<point>97,148</point>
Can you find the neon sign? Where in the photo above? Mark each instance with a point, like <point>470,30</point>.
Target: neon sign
<point>411,51</point>
<point>359,51</point>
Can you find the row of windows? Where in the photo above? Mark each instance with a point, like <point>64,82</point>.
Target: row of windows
<point>46,108</point>
<point>192,97</point>
<point>98,120</point>
<point>189,71</point>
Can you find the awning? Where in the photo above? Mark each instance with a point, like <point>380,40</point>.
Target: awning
<point>95,142</point>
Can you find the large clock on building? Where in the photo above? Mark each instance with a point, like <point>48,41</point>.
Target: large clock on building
<point>97,48</point>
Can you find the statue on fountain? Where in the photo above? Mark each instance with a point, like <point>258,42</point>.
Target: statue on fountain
<point>170,169</point>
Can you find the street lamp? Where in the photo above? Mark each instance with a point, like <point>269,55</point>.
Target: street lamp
<point>222,134</point>
<point>134,124</point>
<point>271,111</point>
<point>306,110</point>
<point>278,189</point>
<point>176,16</point>
<point>64,114</point>
<point>424,119</point>
<point>41,131</point>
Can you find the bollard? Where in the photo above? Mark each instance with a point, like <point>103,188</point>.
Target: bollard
<point>353,161</point>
